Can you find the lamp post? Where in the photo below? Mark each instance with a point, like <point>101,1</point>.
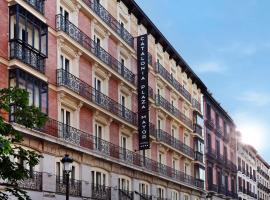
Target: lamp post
<point>66,160</point>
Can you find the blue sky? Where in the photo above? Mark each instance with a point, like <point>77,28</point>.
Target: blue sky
<point>227,43</point>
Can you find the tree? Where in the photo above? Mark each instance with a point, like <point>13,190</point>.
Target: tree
<point>13,157</point>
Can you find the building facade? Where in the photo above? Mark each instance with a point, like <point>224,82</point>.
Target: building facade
<point>246,175</point>
<point>77,59</point>
<point>263,184</point>
<point>220,151</point>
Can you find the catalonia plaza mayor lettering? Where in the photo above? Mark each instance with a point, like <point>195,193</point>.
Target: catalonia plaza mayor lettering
<point>143,110</point>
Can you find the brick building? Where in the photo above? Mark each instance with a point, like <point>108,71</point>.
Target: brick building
<point>77,60</point>
<point>220,151</point>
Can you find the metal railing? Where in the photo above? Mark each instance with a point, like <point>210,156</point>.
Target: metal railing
<point>27,54</point>
<point>75,186</point>
<point>168,77</point>
<point>210,122</point>
<point>160,101</point>
<point>125,194</point>
<point>76,34</point>
<point>64,78</point>
<point>175,143</point>
<point>199,156</point>
<point>196,104</point>
<point>218,132</point>
<point>144,196</point>
<point>213,187</point>
<point>110,21</point>
<point>37,5</point>
<point>101,192</point>
<point>34,182</point>
<point>197,129</point>
<point>115,152</point>
<point>211,152</point>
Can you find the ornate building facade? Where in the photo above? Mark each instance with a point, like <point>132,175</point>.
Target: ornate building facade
<point>220,151</point>
<point>263,181</point>
<point>77,60</point>
<point>246,175</point>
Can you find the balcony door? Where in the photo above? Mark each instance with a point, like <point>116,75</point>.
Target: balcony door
<point>66,122</point>
<point>65,18</point>
<point>124,146</point>
<point>98,89</point>
<point>98,136</point>
<point>123,184</point>
<point>123,104</point>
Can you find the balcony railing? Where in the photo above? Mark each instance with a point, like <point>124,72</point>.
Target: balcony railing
<point>197,129</point>
<point>213,187</point>
<point>125,195</point>
<point>110,21</point>
<point>76,34</point>
<point>221,190</point>
<point>210,122</point>
<point>101,192</point>
<point>75,186</point>
<point>160,101</point>
<point>175,143</point>
<point>199,156</point>
<point>144,196</point>
<point>196,104</point>
<point>27,54</point>
<point>220,158</point>
<point>218,132</point>
<point>212,153</point>
<point>168,77</point>
<point>37,5</point>
<point>34,182</point>
<point>114,152</point>
<point>73,83</point>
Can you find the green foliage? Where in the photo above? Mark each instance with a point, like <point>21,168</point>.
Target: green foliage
<point>13,158</point>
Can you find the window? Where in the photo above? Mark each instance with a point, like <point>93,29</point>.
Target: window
<point>98,178</point>
<point>186,197</point>
<point>144,188</point>
<point>174,195</point>
<point>186,168</point>
<point>208,111</point>
<point>218,147</point>
<point>160,192</point>
<point>65,63</point>
<point>217,120</point>
<point>38,90</point>
<point>28,29</point>
<point>124,184</point>
<point>65,117</point>
<point>98,135</point>
<point>160,158</point>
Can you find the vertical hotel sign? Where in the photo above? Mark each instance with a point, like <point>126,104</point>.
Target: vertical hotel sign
<point>143,111</point>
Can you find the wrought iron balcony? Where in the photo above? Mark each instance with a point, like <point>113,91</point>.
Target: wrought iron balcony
<point>101,192</point>
<point>125,195</point>
<point>211,153</point>
<point>196,104</point>
<point>76,34</point>
<point>220,158</point>
<point>144,196</point>
<point>218,132</point>
<point>160,101</point>
<point>221,189</point>
<point>199,156</point>
<point>37,5</point>
<point>168,77</point>
<point>197,129</point>
<point>213,187</point>
<point>73,83</point>
<point>115,152</point>
<point>34,182</point>
<point>27,54</point>
<point>209,122</point>
<point>110,21</point>
<point>75,186</point>
<point>175,143</point>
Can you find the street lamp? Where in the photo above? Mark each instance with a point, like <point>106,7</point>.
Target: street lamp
<point>67,169</point>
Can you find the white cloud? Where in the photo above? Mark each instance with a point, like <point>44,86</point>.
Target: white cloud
<point>256,98</point>
<point>253,129</point>
<point>210,67</point>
